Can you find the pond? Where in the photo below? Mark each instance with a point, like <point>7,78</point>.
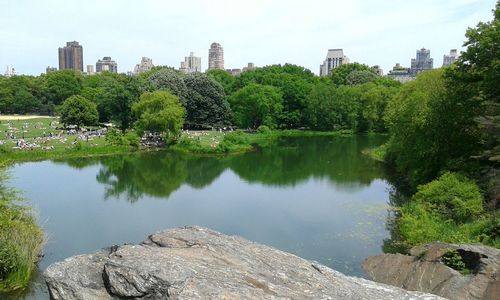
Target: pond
<point>317,197</point>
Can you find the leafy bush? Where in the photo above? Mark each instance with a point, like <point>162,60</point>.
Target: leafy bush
<point>190,145</point>
<point>454,260</point>
<point>453,196</point>
<point>236,137</point>
<point>113,137</point>
<point>234,141</point>
<point>263,129</point>
<point>448,209</point>
<point>131,139</point>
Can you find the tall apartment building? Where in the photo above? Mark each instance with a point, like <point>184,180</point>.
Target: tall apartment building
<point>190,64</point>
<point>145,65</point>
<point>422,62</point>
<point>71,56</point>
<point>216,57</point>
<point>334,58</point>
<point>451,58</point>
<point>106,64</point>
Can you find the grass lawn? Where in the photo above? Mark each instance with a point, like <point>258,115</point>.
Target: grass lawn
<point>214,142</point>
<point>36,131</point>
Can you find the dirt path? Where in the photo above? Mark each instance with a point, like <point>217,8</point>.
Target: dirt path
<point>20,117</point>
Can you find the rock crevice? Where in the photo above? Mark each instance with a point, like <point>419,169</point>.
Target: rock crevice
<point>424,270</point>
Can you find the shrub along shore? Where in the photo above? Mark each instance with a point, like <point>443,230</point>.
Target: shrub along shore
<point>21,239</point>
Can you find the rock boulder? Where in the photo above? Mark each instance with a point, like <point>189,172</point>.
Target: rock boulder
<point>198,263</point>
<point>424,270</point>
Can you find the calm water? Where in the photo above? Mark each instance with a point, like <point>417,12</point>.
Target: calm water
<point>319,198</point>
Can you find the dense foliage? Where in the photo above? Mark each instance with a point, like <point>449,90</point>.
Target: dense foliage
<point>352,74</point>
<point>357,105</point>
<point>332,108</point>
<point>256,105</point>
<point>448,209</point>
<point>203,97</point>
<point>79,111</point>
<point>446,121</point>
<point>449,119</point>
<point>159,112</point>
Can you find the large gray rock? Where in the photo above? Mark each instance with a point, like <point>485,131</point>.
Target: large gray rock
<point>198,263</point>
<point>424,271</point>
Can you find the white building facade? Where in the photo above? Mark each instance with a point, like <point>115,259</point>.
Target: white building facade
<point>145,65</point>
<point>451,58</point>
<point>216,57</point>
<point>334,58</point>
<point>191,64</point>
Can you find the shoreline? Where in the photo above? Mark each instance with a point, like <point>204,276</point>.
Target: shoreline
<point>249,142</point>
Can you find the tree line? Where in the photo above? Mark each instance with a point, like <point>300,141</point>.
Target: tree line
<point>278,96</point>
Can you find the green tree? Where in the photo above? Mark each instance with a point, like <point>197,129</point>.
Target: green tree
<point>114,95</point>
<point>170,80</point>
<point>341,75</point>
<point>223,77</point>
<point>474,84</point>
<point>361,76</point>
<point>373,99</point>
<point>77,110</point>
<point>430,130</point>
<point>159,112</point>
<point>18,94</point>
<point>256,105</point>
<point>294,82</point>
<point>206,103</point>
<point>60,85</point>
<point>332,108</point>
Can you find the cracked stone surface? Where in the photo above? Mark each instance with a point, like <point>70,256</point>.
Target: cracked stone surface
<point>424,271</point>
<point>198,263</point>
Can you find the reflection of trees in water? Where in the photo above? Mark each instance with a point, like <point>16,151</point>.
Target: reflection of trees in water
<point>397,197</point>
<point>293,160</point>
<point>285,162</point>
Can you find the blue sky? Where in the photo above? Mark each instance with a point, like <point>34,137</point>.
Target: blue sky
<point>264,32</point>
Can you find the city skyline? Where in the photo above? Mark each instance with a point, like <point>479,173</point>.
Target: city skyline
<point>382,34</point>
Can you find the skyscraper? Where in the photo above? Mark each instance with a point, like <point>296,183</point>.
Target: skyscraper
<point>451,58</point>
<point>145,65</point>
<point>191,64</point>
<point>334,58</point>
<point>106,64</point>
<point>71,56</point>
<point>422,62</point>
<point>216,57</point>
